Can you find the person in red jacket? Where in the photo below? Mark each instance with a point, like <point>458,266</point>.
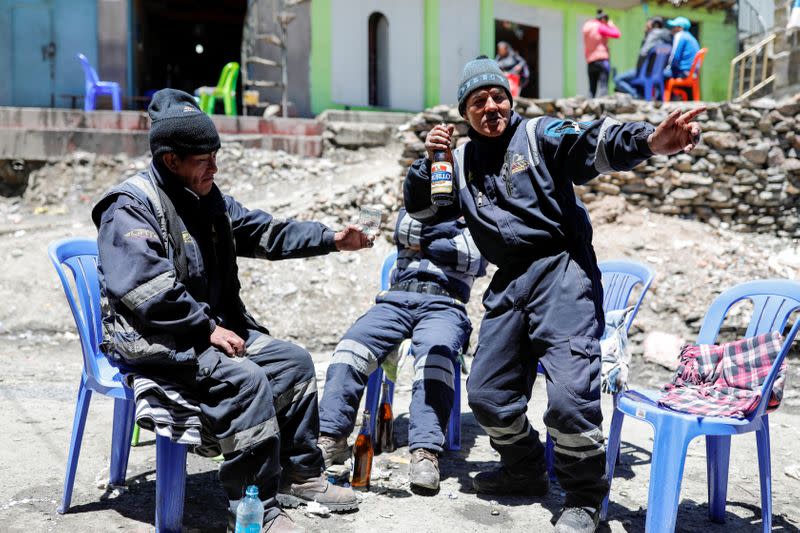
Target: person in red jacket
<point>596,33</point>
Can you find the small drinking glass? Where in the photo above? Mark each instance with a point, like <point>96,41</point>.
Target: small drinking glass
<point>369,220</point>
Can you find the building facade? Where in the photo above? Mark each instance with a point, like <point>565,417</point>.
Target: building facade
<point>389,54</point>
<point>428,42</point>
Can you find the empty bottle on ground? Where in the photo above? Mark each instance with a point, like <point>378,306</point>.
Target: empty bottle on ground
<point>384,440</point>
<point>362,456</point>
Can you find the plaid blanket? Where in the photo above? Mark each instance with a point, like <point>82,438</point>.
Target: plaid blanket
<point>726,379</point>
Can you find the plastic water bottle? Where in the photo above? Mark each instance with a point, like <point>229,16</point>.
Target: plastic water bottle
<point>250,512</point>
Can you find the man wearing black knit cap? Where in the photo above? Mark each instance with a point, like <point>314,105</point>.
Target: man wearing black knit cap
<point>544,305</point>
<point>204,372</point>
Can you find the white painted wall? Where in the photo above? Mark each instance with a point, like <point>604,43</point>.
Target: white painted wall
<point>459,42</point>
<point>581,75</point>
<point>551,42</point>
<point>350,52</point>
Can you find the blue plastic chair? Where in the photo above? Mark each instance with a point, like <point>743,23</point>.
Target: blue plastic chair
<point>377,378</point>
<point>620,277</point>
<point>80,257</point>
<point>658,57</point>
<point>773,303</point>
<point>95,87</point>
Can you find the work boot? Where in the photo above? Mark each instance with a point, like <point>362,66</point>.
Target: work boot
<point>501,480</point>
<point>282,524</point>
<point>578,520</point>
<point>297,491</point>
<point>334,451</point>
<point>424,469</point>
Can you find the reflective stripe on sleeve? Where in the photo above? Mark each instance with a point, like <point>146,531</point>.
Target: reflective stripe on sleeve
<point>601,163</point>
<point>149,289</point>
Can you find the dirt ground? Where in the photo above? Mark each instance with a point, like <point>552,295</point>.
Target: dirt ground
<point>312,302</point>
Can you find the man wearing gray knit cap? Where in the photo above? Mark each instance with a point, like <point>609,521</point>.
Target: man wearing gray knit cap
<point>544,305</point>
<point>203,370</point>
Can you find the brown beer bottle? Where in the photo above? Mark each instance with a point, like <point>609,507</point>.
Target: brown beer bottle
<point>442,189</point>
<point>362,456</point>
<point>384,440</point>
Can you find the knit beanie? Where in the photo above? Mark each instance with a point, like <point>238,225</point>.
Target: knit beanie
<point>178,125</point>
<point>480,72</point>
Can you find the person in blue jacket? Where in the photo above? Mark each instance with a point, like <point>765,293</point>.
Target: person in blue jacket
<point>168,239</point>
<point>514,182</point>
<point>436,267</point>
<point>684,48</point>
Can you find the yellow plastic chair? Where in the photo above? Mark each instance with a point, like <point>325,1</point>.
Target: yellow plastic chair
<point>225,89</point>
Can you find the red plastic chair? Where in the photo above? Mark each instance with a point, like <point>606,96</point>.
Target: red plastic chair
<point>513,83</point>
<point>692,81</point>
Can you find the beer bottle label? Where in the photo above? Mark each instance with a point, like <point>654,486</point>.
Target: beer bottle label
<point>441,178</point>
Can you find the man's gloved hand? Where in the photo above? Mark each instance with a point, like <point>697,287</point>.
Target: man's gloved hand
<point>228,341</point>
<point>352,238</point>
<point>677,133</point>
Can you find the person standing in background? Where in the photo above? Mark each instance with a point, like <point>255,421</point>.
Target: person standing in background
<point>511,62</point>
<point>596,33</point>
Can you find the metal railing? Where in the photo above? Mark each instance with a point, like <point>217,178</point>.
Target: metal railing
<point>752,69</point>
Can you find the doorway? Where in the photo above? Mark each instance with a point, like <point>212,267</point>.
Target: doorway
<point>525,40</point>
<point>378,37</point>
<point>183,44</point>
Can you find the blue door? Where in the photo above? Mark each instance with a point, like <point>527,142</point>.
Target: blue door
<point>33,51</point>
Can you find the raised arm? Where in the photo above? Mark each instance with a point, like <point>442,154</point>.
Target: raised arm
<point>259,234</point>
<point>587,149</point>
<point>417,185</point>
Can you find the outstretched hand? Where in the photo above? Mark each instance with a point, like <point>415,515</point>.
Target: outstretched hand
<point>352,238</point>
<point>677,133</point>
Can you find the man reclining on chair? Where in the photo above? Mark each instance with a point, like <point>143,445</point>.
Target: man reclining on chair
<point>204,372</point>
<point>436,266</point>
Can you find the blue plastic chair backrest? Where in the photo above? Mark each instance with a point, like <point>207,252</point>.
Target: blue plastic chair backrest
<point>657,57</point>
<point>386,270</point>
<point>88,71</point>
<point>773,301</point>
<point>80,257</point>
<point>620,277</point>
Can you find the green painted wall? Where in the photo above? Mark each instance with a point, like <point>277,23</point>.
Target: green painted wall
<point>720,38</point>
<point>320,62</point>
<point>431,52</point>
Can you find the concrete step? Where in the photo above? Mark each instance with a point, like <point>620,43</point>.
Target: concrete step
<point>48,134</point>
<point>365,117</point>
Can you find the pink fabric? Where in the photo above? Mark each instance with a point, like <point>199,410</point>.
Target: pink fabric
<point>596,34</point>
<point>726,379</point>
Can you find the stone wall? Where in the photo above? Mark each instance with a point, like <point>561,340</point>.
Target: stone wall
<point>745,175</point>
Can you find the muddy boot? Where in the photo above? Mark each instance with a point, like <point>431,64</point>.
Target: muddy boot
<point>299,491</point>
<point>282,524</point>
<point>502,480</point>
<point>578,520</point>
<point>334,451</point>
<point>424,469</point>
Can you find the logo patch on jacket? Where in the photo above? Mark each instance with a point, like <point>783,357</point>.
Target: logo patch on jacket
<point>187,237</point>
<point>142,234</point>
<point>519,163</point>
